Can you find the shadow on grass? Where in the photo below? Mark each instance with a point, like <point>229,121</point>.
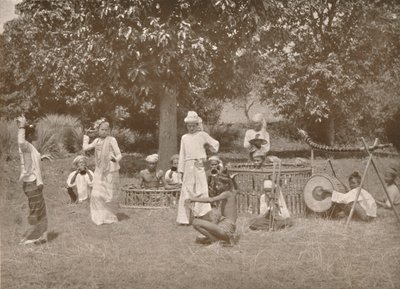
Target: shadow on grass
<point>122,216</point>
<point>51,236</point>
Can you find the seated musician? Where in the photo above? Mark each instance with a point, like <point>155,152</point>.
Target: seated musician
<point>391,188</point>
<point>275,205</point>
<point>258,159</point>
<point>365,208</point>
<point>225,228</point>
<point>151,178</point>
<point>172,178</point>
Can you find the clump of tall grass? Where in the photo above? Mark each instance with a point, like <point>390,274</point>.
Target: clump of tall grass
<point>125,137</point>
<point>59,134</point>
<point>8,140</point>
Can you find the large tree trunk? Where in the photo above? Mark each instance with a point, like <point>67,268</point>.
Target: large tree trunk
<point>330,131</point>
<point>167,137</point>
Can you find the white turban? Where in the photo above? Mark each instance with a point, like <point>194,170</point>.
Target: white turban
<point>267,184</point>
<point>191,117</point>
<point>78,159</point>
<point>258,117</point>
<point>174,157</point>
<point>152,158</point>
<point>214,158</point>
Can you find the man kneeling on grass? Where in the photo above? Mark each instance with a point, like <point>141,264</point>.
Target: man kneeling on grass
<point>225,228</point>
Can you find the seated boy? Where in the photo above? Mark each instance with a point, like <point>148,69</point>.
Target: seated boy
<point>365,208</point>
<point>281,214</point>
<point>392,189</point>
<point>150,178</point>
<point>172,177</point>
<point>79,182</point>
<point>225,228</point>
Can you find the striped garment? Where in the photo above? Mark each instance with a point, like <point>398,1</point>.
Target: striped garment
<point>37,211</point>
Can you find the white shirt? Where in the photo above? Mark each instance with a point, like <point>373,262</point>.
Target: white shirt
<point>394,194</point>
<point>30,160</point>
<point>174,179</point>
<point>83,184</point>
<point>366,200</point>
<point>251,134</point>
<point>192,147</point>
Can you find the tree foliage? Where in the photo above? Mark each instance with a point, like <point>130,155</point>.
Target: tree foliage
<point>116,58</point>
<point>330,51</point>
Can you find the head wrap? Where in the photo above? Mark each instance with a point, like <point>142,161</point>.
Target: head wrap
<point>258,117</point>
<point>152,158</point>
<point>191,117</point>
<point>174,157</point>
<point>267,184</point>
<point>78,159</point>
<point>214,158</point>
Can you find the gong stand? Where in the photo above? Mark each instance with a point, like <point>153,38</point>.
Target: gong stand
<point>370,161</point>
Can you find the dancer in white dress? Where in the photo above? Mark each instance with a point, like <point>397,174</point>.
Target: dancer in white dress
<point>106,173</point>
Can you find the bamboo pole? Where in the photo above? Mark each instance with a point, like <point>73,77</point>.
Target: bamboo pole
<point>361,184</point>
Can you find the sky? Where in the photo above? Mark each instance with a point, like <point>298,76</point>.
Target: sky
<point>7,11</point>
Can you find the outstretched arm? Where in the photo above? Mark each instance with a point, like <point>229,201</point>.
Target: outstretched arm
<point>220,197</point>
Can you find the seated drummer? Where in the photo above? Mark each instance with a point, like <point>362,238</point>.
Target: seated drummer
<point>258,158</point>
<point>151,178</point>
<point>365,208</point>
<point>172,178</point>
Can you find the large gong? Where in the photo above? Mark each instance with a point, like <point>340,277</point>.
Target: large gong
<point>313,192</point>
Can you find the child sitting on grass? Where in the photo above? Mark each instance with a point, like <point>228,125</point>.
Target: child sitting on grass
<point>172,177</point>
<point>365,208</point>
<point>392,189</point>
<point>79,182</point>
<point>225,229</point>
<point>151,178</point>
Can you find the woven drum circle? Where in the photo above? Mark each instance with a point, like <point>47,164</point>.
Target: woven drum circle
<point>134,197</point>
<point>250,185</point>
<point>314,185</point>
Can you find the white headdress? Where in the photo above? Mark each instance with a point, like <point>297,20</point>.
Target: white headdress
<point>152,158</point>
<point>191,117</point>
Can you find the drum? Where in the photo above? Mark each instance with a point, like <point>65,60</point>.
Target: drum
<point>313,189</point>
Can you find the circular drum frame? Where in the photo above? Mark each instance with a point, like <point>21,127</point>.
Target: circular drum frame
<point>250,185</point>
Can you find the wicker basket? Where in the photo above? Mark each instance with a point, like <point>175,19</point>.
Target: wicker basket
<point>250,184</point>
<point>149,198</point>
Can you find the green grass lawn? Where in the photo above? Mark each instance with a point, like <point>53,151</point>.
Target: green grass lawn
<point>148,250</point>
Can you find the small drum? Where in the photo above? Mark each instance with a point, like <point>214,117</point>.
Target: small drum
<point>313,189</point>
<point>134,197</point>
